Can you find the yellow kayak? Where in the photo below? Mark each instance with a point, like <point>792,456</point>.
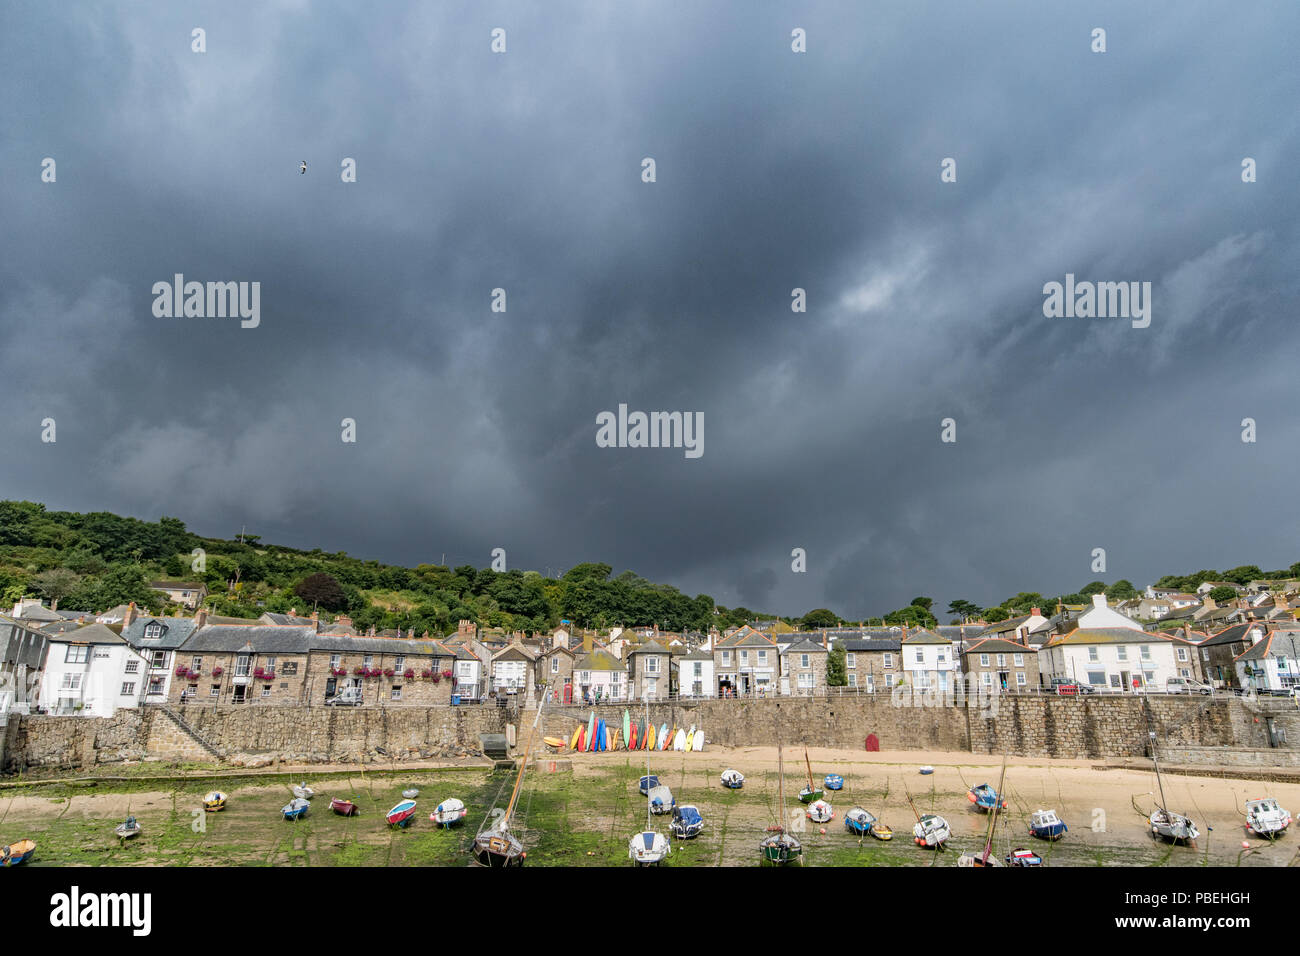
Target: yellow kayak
<point>554,741</point>
<point>650,738</point>
<point>573,741</point>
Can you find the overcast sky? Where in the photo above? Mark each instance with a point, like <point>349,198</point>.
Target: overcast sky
<point>775,170</point>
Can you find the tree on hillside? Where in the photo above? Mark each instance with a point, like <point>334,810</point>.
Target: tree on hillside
<point>914,615</point>
<point>55,584</point>
<point>1122,590</point>
<point>924,602</point>
<point>1223,594</point>
<point>836,668</point>
<point>818,617</point>
<point>964,610</point>
<point>322,589</point>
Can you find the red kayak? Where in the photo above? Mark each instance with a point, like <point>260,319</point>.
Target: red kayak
<point>631,742</point>
<point>582,739</point>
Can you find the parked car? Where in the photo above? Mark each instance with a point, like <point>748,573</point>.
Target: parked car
<point>346,698</point>
<point>1069,688</point>
<point>1185,685</point>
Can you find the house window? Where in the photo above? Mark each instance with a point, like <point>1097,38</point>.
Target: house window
<point>266,690</point>
<point>986,678</point>
<point>196,663</point>
<point>744,658</point>
<point>400,663</point>
<point>941,658</point>
<point>652,665</point>
<point>191,690</point>
<point>889,680</point>
<point>1122,652</point>
<point>853,680</point>
<point>1002,660</point>
<point>1146,652</point>
<point>1182,653</point>
<point>396,692</point>
<point>132,667</point>
<point>128,689</point>
<point>290,667</point>
<point>889,659</point>
<point>726,658</point>
<point>70,681</point>
<point>269,666</point>
<point>241,665</point>
<point>984,660</point>
<point>1205,653</point>
<point>1093,655</point>
<point>1020,679</point>
<point>158,659</point>
<point>1114,680</point>
<point>555,665</point>
<point>368,661</point>
<point>155,686</point>
<point>334,661</point>
<point>216,691</point>
<point>762,657</point>
<point>850,660</point>
<point>920,656</point>
<point>699,669</point>
<point>586,677</point>
<point>153,631</point>
<point>806,679</point>
<point>803,660</point>
<point>1018,659</point>
<point>77,654</point>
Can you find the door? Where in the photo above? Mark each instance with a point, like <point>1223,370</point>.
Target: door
<point>239,694</point>
<point>330,687</point>
<point>1002,678</point>
<point>1125,680</point>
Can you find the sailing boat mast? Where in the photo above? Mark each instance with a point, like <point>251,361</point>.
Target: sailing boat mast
<point>514,794</point>
<point>997,805</point>
<point>780,769</point>
<point>808,764</point>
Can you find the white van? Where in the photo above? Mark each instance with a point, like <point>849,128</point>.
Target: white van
<point>1185,685</point>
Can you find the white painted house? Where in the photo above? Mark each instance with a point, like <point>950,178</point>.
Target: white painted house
<point>695,674</point>
<point>1270,664</point>
<point>1116,659</point>
<point>600,674</point>
<point>91,672</point>
<point>929,660</point>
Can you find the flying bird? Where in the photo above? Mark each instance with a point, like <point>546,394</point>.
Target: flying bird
<point>304,166</point>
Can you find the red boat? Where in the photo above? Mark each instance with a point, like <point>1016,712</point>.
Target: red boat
<point>400,815</point>
<point>344,808</point>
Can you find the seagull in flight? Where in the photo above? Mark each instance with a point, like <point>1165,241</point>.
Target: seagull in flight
<point>303,168</point>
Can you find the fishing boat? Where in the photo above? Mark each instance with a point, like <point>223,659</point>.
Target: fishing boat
<point>733,779</point>
<point>985,798</point>
<point>819,811</point>
<point>987,857</point>
<point>303,792</point>
<point>687,822</point>
<point>661,799</point>
<point>127,829</point>
<point>931,830</point>
<point>927,770</point>
<point>494,845</point>
<point>214,801</point>
<point>1264,817</point>
<point>833,781</point>
<point>402,814</point>
<point>1166,824</point>
<point>449,813</point>
<point>295,809</point>
<point>859,821</point>
<point>1046,825</point>
<point>809,793</point>
<point>780,847</point>
<point>15,853</point>
<point>411,793</point>
<point>649,847</point>
<point>344,808</point>
<point>646,783</point>
<point>1022,857</point>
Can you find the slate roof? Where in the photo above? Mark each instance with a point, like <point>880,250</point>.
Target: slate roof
<point>1010,624</point>
<point>651,648</point>
<point>91,634</point>
<point>805,646</point>
<point>861,645</point>
<point>925,636</point>
<point>273,617</point>
<point>1238,633</point>
<point>527,653</point>
<point>263,638</point>
<point>176,630</point>
<point>1105,635</point>
<point>698,655</point>
<point>1275,644</point>
<point>998,645</point>
<point>345,643</point>
<point>599,661</point>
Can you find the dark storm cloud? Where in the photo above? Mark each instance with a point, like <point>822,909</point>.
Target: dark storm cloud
<point>477,430</point>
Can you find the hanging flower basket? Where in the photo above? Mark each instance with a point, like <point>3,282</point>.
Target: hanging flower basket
<point>426,674</point>
<point>217,671</point>
<point>359,671</point>
<point>181,670</point>
<point>388,672</point>
<point>193,675</point>
<point>409,674</point>
<point>446,675</point>
<point>373,672</point>
<point>269,675</point>
<point>437,678</point>
<point>338,671</point>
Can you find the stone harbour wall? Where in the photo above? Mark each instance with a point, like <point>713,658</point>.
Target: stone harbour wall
<point>1086,727</point>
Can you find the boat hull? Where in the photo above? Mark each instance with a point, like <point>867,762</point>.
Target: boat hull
<point>780,850</point>
<point>808,796</point>
<point>344,808</point>
<point>16,853</point>
<point>498,851</point>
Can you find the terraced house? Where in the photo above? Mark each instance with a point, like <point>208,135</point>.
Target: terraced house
<point>872,663</point>
<point>995,663</point>
<point>746,664</point>
<point>803,668</point>
<point>650,666</point>
<point>380,670</point>
<point>1118,659</point>
<point>929,661</point>
<point>1272,664</point>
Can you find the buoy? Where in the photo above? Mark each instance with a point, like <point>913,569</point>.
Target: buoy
<point>823,831</point>
<point>1245,845</point>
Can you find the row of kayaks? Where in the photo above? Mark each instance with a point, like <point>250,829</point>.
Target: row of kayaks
<point>597,736</point>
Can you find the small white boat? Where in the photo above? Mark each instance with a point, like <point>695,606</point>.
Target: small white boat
<point>819,811</point>
<point>927,770</point>
<point>978,859</point>
<point>449,813</point>
<point>931,831</point>
<point>648,848</point>
<point>295,809</point>
<point>129,828</point>
<point>303,792</point>
<point>733,779</point>
<point>1173,827</point>
<point>661,800</point>
<point>1264,817</point>
<point>214,801</point>
<point>410,793</point>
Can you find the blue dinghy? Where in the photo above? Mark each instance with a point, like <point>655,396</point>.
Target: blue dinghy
<point>1046,825</point>
<point>647,783</point>
<point>295,809</point>
<point>687,822</point>
<point>833,781</point>
<point>985,797</point>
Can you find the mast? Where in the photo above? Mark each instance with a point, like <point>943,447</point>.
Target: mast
<point>514,794</point>
<point>809,766</point>
<point>780,769</point>
<point>997,805</point>
<point>648,788</point>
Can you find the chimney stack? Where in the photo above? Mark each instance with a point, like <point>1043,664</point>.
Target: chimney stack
<point>1036,612</point>
<point>128,619</point>
<point>200,618</point>
<point>315,620</point>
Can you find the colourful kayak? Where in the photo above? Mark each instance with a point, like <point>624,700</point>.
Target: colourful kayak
<point>631,740</point>
<point>627,725</point>
<point>650,738</point>
<point>582,739</point>
<point>591,729</point>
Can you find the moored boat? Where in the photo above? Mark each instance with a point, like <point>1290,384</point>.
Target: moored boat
<point>1266,818</point>
<point>687,822</point>
<point>833,781</point>
<point>1022,857</point>
<point>931,831</point>
<point>401,814</point>
<point>819,811</point>
<point>1173,827</point>
<point>410,793</point>
<point>303,792</point>
<point>780,847</point>
<point>494,845</point>
<point>344,808</point>
<point>646,783</point>
<point>18,852</point>
<point>859,820</point>
<point>128,828</point>
<point>733,779</point>
<point>650,847</point>
<point>214,801</point>
<point>661,799</point>
<point>449,813</point>
<point>1046,825</point>
<point>927,770</point>
<point>295,809</point>
<point>985,798</point>
<point>809,793</point>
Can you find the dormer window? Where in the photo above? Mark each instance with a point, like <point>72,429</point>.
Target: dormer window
<point>153,631</point>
